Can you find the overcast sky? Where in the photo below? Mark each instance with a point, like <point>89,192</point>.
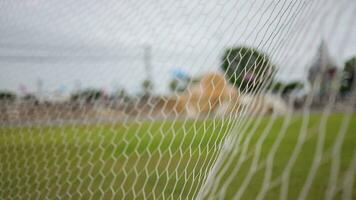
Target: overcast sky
<point>101,43</point>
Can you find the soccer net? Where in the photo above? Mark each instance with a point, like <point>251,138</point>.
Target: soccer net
<point>208,100</point>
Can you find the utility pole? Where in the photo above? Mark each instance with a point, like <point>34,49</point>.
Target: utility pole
<point>147,56</point>
<point>147,61</point>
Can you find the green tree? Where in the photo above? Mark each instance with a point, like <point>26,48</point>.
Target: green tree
<point>277,86</point>
<point>180,85</point>
<point>88,95</point>
<point>348,83</point>
<point>289,87</point>
<point>147,87</point>
<point>121,94</point>
<point>286,88</point>
<point>7,96</point>
<point>30,98</point>
<point>175,87</point>
<point>247,68</point>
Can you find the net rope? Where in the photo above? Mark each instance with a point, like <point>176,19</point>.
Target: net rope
<point>235,131</point>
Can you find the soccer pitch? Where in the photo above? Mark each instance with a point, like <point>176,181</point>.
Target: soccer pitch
<point>169,159</point>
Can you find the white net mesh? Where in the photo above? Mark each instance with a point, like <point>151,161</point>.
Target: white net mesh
<point>178,99</point>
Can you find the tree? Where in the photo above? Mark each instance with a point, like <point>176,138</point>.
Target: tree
<point>247,68</point>
<point>348,83</point>
<point>277,87</point>
<point>7,96</point>
<point>88,95</point>
<point>174,86</point>
<point>290,87</point>
<point>147,87</point>
<point>121,94</point>
<point>286,88</point>
<point>30,98</point>
<point>180,84</point>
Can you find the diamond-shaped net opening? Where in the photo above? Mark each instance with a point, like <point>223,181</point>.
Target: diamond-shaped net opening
<point>178,99</point>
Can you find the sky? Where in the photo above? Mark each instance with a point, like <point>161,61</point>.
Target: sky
<point>63,45</point>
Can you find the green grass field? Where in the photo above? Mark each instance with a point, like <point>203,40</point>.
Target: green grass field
<point>170,159</point>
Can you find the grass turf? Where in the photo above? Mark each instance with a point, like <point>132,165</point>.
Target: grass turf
<point>167,159</point>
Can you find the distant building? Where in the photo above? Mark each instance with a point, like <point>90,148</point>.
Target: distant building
<point>322,75</point>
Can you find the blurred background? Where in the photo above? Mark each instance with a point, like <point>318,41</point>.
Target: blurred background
<point>60,46</point>
<point>121,53</point>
